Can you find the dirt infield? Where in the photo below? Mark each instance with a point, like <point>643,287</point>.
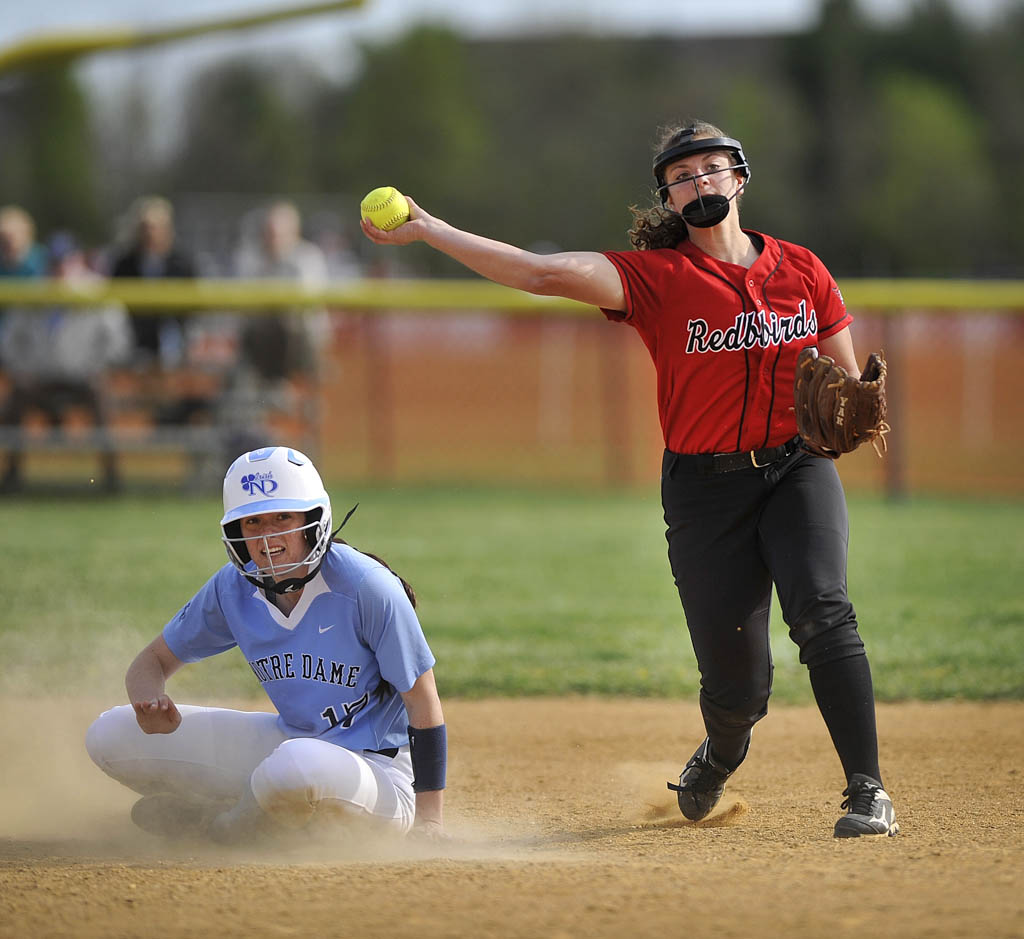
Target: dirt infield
<point>565,829</point>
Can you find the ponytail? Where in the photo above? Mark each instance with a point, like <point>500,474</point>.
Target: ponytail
<point>406,586</point>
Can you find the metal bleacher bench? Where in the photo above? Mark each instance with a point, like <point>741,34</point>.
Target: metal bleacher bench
<point>202,445</point>
<point>133,425</point>
<point>162,423</point>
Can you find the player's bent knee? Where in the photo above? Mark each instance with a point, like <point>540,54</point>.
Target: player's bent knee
<point>302,775</point>
<point>831,645</point>
<point>106,735</point>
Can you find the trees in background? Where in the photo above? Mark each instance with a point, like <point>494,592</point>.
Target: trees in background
<point>247,129</point>
<point>902,168</point>
<point>48,151</point>
<point>892,149</point>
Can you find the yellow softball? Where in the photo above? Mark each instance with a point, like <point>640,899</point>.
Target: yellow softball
<point>386,207</point>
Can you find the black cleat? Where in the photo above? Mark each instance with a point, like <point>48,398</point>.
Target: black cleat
<point>870,809</point>
<point>701,783</point>
<point>172,816</point>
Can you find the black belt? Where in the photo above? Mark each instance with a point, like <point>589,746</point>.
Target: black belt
<point>389,752</point>
<point>712,463</point>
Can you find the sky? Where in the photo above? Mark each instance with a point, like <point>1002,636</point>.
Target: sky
<point>385,18</point>
<point>478,17</point>
<point>326,36</point>
<point>332,39</point>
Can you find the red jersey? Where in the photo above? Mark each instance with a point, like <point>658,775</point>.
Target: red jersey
<point>725,338</point>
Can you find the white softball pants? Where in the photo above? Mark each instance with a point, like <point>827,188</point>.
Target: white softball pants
<point>216,753</point>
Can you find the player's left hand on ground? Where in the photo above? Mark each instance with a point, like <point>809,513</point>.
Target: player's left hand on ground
<point>429,832</point>
<point>159,715</point>
<point>835,411</point>
<point>404,234</point>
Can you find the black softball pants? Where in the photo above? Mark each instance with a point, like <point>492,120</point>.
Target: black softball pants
<point>731,536</point>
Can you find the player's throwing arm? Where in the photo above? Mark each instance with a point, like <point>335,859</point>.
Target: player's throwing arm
<point>585,276</point>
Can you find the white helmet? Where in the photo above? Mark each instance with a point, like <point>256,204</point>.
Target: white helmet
<point>275,479</point>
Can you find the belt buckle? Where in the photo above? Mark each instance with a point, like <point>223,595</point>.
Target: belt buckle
<point>753,460</point>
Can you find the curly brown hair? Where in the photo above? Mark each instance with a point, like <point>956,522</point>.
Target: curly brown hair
<point>658,227</point>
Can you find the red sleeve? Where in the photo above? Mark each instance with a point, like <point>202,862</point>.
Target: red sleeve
<point>620,316</point>
<point>832,312</point>
<point>645,276</point>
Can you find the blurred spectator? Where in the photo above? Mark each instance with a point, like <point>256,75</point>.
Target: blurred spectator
<point>54,358</point>
<point>277,346</point>
<point>20,255</point>
<point>153,252</point>
<point>327,231</point>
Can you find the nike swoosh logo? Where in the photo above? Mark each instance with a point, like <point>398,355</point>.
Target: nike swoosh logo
<point>324,629</point>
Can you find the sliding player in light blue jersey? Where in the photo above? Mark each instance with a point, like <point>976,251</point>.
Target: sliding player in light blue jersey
<point>333,637</point>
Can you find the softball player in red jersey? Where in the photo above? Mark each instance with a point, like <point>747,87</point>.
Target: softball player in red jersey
<point>724,312</point>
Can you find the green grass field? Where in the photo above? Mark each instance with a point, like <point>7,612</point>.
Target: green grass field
<point>521,592</point>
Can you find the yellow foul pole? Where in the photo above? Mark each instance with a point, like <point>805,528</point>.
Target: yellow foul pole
<point>47,48</point>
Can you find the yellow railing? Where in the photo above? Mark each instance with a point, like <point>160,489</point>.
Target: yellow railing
<point>438,295</point>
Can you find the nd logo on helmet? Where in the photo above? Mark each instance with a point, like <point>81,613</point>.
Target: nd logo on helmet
<point>262,483</point>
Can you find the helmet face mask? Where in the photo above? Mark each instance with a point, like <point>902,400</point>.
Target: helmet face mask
<point>703,211</point>
<point>237,545</point>
<point>272,480</point>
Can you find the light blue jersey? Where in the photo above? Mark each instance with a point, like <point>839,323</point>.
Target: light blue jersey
<point>328,665</point>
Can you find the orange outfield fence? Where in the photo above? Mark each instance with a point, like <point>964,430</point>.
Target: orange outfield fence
<point>572,401</point>
<point>456,383</point>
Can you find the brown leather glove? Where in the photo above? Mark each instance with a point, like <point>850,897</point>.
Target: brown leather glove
<point>835,412</point>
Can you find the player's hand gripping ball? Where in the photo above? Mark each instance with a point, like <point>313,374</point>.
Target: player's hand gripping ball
<point>385,207</point>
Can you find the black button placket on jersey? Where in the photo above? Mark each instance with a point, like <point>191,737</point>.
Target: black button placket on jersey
<point>778,351</point>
